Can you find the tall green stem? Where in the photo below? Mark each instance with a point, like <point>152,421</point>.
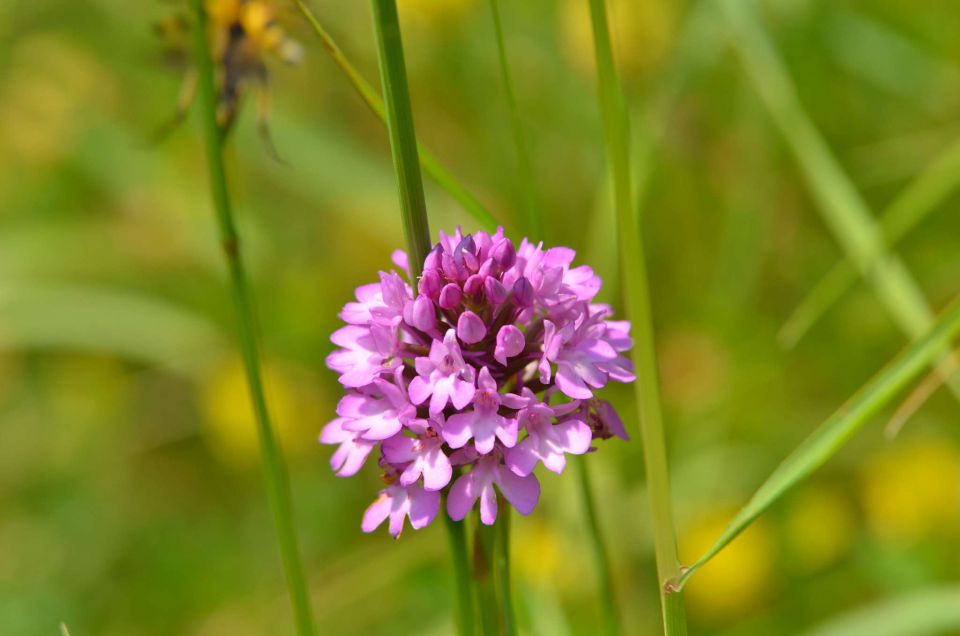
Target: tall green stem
<point>274,469</point>
<point>413,208</point>
<point>633,266</point>
<point>456,532</point>
<point>611,614</point>
<point>403,137</point>
<point>503,568</point>
<point>531,208</point>
<point>484,544</point>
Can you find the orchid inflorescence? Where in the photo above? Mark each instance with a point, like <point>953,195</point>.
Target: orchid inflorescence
<point>488,370</point>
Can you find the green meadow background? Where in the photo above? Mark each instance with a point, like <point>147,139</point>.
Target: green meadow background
<point>130,494</point>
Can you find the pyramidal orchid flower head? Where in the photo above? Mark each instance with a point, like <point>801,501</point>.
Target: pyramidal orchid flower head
<point>465,381</point>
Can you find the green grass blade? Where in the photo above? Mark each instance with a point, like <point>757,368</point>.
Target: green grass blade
<point>83,318</point>
<point>403,137</point>
<point>608,594</point>
<point>372,99</point>
<point>457,535</point>
<point>923,196</point>
<point>616,133</point>
<point>532,210</point>
<point>932,611</point>
<point>274,468</point>
<point>842,207</point>
<point>826,440</point>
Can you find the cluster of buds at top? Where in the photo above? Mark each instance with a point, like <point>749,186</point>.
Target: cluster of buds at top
<point>465,386</point>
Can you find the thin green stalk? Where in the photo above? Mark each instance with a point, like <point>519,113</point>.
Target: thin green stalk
<point>832,434</point>
<point>484,542</point>
<point>633,266</point>
<point>840,204</point>
<point>403,137</point>
<point>456,531</point>
<point>607,592</point>
<point>912,205</point>
<point>403,146</point>
<point>369,95</point>
<point>503,568</point>
<point>274,469</point>
<point>531,208</point>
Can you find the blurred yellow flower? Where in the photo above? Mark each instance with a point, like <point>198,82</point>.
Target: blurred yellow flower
<point>545,556</point>
<point>48,83</point>
<point>913,491</point>
<point>297,409</point>
<point>641,32</point>
<point>434,11</point>
<point>694,367</point>
<point>820,527</point>
<point>736,579</point>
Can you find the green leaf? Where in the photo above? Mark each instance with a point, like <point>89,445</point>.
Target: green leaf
<point>933,611</point>
<point>121,323</point>
<point>842,207</point>
<point>909,209</point>
<point>826,440</point>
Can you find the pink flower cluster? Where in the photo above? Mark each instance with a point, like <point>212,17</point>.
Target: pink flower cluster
<point>467,385</point>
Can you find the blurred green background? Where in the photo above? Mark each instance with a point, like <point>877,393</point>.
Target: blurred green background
<point>130,495</point>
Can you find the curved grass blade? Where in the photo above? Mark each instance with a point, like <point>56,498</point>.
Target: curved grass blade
<point>826,440</point>
<point>136,327</point>
<point>926,388</point>
<point>933,611</point>
<point>923,196</point>
<point>842,207</point>
<point>637,294</point>
<point>369,95</point>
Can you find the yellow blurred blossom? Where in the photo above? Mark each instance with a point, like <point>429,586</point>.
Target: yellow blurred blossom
<point>641,32</point>
<point>297,408</point>
<point>543,555</point>
<point>820,527</point>
<point>913,491</point>
<point>694,367</point>
<point>434,11</point>
<point>736,579</point>
<point>49,83</point>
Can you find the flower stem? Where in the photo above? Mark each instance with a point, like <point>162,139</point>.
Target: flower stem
<point>503,568</point>
<point>611,614</point>
<point>403,138</point>
<point>637,296</point>
<point>456,531</point>
<point>484,542</point>
<point>413,209</point>
<point>524,171</point>
<point>274,469</point>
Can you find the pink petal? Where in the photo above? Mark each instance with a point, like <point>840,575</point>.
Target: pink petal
<point>419,390</point>
<point>463,393</point>
<point>424,506</point>
<point>572,385</point>
<point>573,436</point>
<point>458,429</point>
<point>470,328</point>
<point>436,470</point>
<point>462,496</point>
<point>488,505</point>
<point>522,492</point>
<point>522,458</point>
<point>507,431</point>
<point>376,513</point>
